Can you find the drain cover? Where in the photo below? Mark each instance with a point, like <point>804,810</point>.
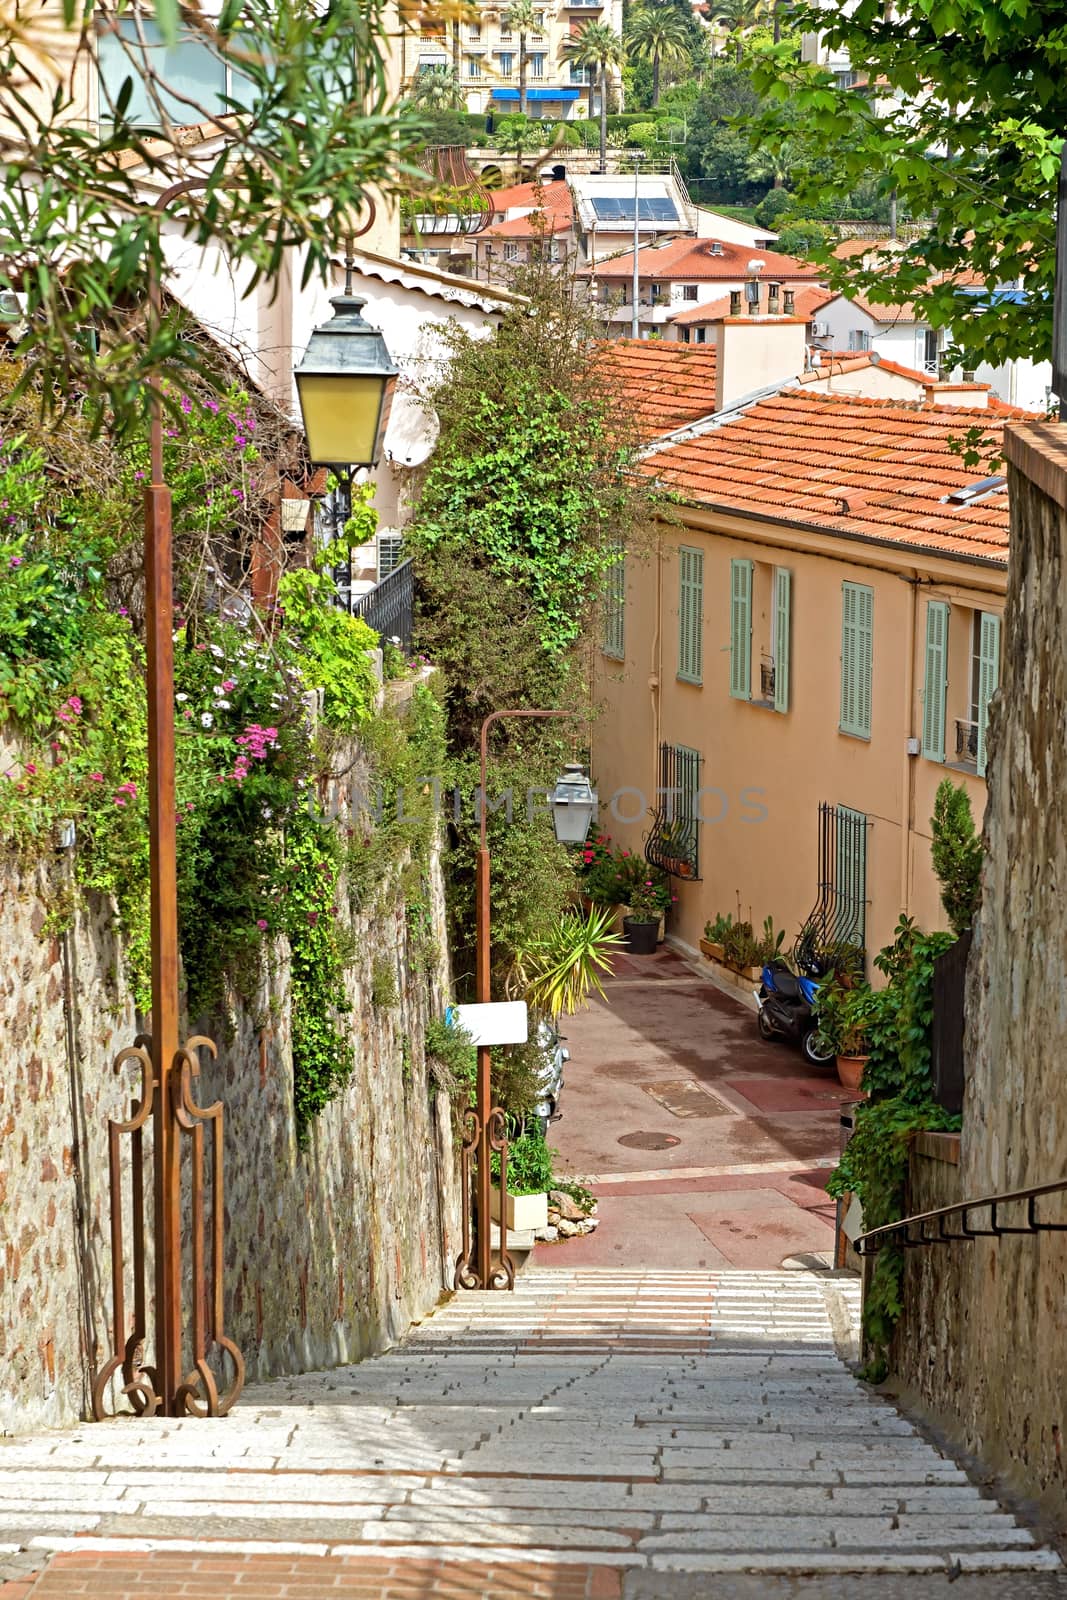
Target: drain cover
<point>686,1099</point>
<point>649,1141</point>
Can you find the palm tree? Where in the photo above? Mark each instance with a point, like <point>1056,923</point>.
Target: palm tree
<point>739,16</point>
<point>522,16</point>
<point>598,45</point>
<point>437,89</point>
<point>657,34</point>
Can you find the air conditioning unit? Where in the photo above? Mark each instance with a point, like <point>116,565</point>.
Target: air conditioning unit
<point>819,330</point>
<point>389,553</point>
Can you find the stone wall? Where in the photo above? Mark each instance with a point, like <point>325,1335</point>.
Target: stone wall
<point>985,1330</point>
<point>330,1252</point>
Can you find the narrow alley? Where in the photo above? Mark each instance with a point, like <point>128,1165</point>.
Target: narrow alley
<point>658,1412</point>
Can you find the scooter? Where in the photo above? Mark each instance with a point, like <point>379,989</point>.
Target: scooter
<point>787,1010</point>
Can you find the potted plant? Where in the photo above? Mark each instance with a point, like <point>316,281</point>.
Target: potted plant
<point>714,935</point>
<point>741,950</point>
<point>641,927</point>
<point>846,1010</point>
<point>529,1179</point>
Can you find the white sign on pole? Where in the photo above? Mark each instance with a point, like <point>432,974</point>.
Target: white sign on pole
<point>497,1022</point>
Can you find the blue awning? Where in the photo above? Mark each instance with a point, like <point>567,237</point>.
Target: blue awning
<point>537,94</point>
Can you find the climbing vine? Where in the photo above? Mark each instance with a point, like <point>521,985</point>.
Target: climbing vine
<point>898,1080</point>
<point>258,856</point>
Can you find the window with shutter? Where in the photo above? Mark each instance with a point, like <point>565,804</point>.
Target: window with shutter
<point>741,629</point>
<point>850,885</point>
<point>783,603</point>
<point>988,676</point>
<point>690,614</point>
<point>935,680</point>
<point>615,606</point>
<point>857,643</point>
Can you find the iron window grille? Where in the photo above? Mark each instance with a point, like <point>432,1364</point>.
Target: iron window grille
<point>614,637</point>
<point>766,679</point>
<point>673,843</point>
<point>967,742</point>
<point>837,923</point>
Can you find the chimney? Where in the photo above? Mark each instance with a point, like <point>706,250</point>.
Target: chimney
<point>735,302</point>
<point>772,299</point>
<point>790,303</point>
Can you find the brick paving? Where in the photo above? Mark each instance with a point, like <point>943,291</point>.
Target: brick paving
<point>266,1577</point>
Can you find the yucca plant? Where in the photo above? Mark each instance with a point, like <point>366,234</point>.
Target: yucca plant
<point>561,971</point>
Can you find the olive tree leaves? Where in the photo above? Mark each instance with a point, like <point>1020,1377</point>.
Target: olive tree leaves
<point>304,138</point>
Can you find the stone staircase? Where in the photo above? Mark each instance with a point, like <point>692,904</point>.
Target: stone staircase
<point>656,1422</point>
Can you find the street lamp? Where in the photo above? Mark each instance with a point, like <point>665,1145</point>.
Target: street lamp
<point>342,382</point>
<point>573,806</point>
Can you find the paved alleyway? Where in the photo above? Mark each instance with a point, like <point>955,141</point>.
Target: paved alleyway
<point>595,1436</point>
<point>710,1147</point>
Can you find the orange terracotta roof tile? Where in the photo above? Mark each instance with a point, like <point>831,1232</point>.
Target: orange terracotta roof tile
<point>692,259</point>
<point>532,226</point>
<point>553,197</point>
<point>797,457</point>
<point>663,385</point>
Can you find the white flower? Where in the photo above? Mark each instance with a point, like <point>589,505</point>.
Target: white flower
<point>215,650</point>
<point>181,698</point>
<point>221,705</point>
<point>267,813</point>
<point>206,719</point>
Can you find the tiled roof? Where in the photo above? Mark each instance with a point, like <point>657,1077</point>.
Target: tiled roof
<point>806,302</point>
<point>692,259</point>
<point>532,226</point>
<point>797,457</point>
<point>663,385</point>
<point>553,197</point>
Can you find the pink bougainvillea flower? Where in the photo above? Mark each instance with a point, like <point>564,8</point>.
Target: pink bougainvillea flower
<point>123,612</point>
<point>31,769</point>
<point>228,684</point>
<point>120,799</point>
<point>75,705</point>
<point>261,924</point>
<point>96,777</point>
<point>16,561</point>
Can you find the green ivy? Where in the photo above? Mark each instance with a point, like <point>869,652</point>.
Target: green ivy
<point>337,649</point>
<point>899,1083</point>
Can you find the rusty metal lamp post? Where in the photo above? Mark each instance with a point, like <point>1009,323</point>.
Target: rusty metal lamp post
<point>168,1067</point>
<point>573,804</point>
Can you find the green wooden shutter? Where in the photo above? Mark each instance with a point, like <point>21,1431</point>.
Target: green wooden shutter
<point>615,605</point>
<point>935,681</point>
<point>741,629</point>
<point>783,606</point>
<point>690,614</point>
<point>857,645</point>
<point>988,676</point>
<point>850,885</point>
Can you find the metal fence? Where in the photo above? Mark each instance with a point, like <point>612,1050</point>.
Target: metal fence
<point>389,608</point>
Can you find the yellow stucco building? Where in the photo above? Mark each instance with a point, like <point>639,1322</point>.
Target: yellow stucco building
<point>806,648</point>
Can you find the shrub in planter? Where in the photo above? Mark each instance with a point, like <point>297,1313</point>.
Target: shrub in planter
<point>642,925</point>
<point>741,948</point>
<point>529,1178</point>
<point>846,1013</point>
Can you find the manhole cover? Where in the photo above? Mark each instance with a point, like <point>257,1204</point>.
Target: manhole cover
<point>649,1141</point>
<point>686,1099</point>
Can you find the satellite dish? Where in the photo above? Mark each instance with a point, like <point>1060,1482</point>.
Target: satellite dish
<point>412,430</point>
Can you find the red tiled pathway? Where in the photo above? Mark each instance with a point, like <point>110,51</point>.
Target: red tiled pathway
<point>273,1577</point>
<point>705,1145</point>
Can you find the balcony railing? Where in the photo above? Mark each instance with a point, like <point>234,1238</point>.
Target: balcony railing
<point>967,742</point>
<point>389,608</point>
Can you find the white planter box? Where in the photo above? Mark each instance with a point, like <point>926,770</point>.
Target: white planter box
<point>525,1212</point>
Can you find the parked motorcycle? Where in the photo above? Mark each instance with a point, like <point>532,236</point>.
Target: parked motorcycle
<point>787,1011</point>
<point>554,1056</point>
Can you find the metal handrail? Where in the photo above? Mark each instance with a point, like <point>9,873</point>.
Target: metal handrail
<point>900,1233</point>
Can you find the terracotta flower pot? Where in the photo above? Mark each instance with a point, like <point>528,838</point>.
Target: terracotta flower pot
<point>850,1070</point>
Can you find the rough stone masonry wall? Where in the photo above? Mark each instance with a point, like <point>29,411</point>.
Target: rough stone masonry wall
<point>330,1253</point>
<point>985,1336</point>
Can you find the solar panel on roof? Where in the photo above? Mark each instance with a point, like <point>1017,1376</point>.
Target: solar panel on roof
<point>650,208</point>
